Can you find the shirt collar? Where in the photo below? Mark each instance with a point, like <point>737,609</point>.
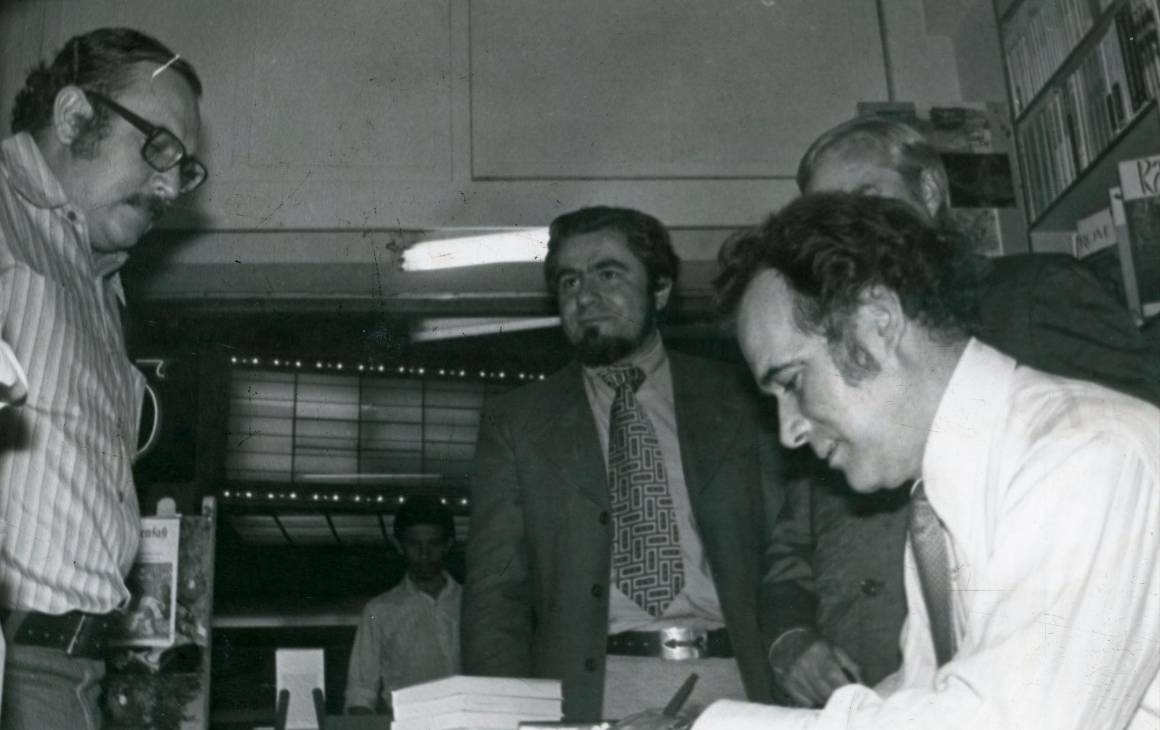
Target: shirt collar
<point>32,179</point>
<point>448,585</point>
<point>954,462</point>
<point>29,173</point>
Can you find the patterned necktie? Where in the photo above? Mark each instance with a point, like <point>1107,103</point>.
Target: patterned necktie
<point>933,562</point>
<point>646,552</point>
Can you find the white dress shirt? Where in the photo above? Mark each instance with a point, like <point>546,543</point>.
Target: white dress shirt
<point>405,636</point>
<point>1049,490</point>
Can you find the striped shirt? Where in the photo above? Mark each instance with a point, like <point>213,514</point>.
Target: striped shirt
<point>66,486</point>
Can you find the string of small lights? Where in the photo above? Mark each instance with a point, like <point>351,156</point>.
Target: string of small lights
<point>328,498</point>
<point>317,365</point>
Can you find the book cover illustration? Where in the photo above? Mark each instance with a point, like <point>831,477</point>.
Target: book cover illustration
<point>1140,252</point>
<point>152,614</point>
<point>167,687</point>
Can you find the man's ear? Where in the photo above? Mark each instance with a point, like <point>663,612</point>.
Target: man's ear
<point>881,322</point>
<point>70,111</point>
<point>662,293</point>
<point>933,193</point>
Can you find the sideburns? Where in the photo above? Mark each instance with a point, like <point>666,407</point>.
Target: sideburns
<point>92,131</point>
<point>854,362</point>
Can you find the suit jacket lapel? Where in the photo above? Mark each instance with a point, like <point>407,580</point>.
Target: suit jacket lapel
<point>706,422</point>
<point>568,438</point>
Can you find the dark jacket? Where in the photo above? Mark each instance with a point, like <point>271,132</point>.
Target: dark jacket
<point>536,595</point>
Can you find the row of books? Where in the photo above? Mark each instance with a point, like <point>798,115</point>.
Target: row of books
<point>1038,39</point>
<point>471,703</point>
<point>1121,242</point>
<point>1080,117</point>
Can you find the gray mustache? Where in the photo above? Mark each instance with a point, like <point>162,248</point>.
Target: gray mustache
<point>154,205</point>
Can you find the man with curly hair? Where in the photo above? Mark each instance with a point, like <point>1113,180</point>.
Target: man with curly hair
<point>103,144</point>
<point>1032,559</point>
<point>1045,310</point>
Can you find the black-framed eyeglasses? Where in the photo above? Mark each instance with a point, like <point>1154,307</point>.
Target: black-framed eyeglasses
<point>162,149</point>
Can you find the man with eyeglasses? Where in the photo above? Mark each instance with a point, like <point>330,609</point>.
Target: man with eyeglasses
<point>103,144</point>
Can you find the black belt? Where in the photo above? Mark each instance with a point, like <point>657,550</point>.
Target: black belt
<point>75,633</point>
<point>673,644</point>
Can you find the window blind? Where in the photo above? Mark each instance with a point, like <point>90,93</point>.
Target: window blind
<point>292,427</point>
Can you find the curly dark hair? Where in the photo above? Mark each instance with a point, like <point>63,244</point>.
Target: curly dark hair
<point>647,238</point>
<point>422,510</point>
<point>102,61</point>
<point>831,247</point>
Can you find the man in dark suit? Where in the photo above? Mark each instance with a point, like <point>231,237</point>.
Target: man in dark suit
<point>551,590</point>
<point>1047,311</point>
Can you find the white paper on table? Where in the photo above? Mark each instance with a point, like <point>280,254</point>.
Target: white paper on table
<point>300,671</point>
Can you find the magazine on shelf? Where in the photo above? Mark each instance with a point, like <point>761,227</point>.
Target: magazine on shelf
<point>152,613</point>
<point>1140,249</point>
<point>1096,244</point>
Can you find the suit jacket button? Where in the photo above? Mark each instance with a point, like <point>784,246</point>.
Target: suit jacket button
<point>871,587</point>
<point>597,591</point>
<point>590,665</point>
<point>604,518</point>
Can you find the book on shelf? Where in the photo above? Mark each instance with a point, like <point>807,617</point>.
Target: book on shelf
<point>1094,233</point>
<point>1063,129</point>
<point>1140,249</point>
<point>1096,243</point>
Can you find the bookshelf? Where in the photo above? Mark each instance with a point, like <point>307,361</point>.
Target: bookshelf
<point>1083,77</point>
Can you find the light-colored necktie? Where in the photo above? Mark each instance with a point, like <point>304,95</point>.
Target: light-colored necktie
<point>931,557</point>
<point>646,550</point>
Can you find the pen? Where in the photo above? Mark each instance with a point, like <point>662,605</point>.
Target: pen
<point>679,698</point>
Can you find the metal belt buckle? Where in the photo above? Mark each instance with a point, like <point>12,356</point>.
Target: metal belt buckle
<point>681,643</point>
<point>82,639</point>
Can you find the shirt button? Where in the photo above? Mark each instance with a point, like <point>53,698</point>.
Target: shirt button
<point>604,518</point>
<point>590,665</point>
<point>597,591</point>
<point>871,587</point>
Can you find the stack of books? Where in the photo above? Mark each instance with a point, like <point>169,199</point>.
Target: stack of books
<point>476,703</point>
